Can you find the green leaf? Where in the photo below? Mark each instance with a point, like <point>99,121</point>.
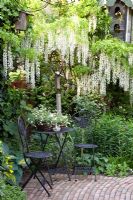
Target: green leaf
<point>11,127</point>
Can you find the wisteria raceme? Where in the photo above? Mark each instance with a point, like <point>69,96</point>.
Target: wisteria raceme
<point>75,19</point>
<point>37,72</point>
<point>33,69</point>
<point>51,41</point>
<point>67,57</point>
<point>46,53</point>
<point>131,91</point>
<point>71,56</point>
<point>72,45</point>
<point>94,22</point>
<point>10,57</point>
<point>41,44</point>
<point>79,53</point>
<point>130,59</point>
<point>27,69</point>
<point>109,70</point>
<point>89,84</point>
<point>127,82</point>
<point>5,60</point>
<point>116,71</point>
<point>85,84</point>
<point>124,80</point>
<point>37,46</point>
<point>32,74</point>
<point>62,44</point>
<point>101,65</point>
<point>108,73</point>
<point>95,81</point>
<point>90,24</point>
<point>103,86</point>
<point>78,86</point>
<point>26,43</point>
<point>84,54</point>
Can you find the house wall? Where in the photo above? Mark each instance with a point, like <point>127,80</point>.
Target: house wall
<point>128,34</point>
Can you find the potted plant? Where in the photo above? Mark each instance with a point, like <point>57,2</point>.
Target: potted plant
<point>17,78</point>
<point>43,119</point>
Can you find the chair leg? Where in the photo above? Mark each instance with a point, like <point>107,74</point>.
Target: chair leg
<point>44,178</point>
<point>37,169</point>
<point>95,179</point>
<point>95,176</point>
<point>50,177</point>
<point>74,173</point>
<point>34,173</point>
<point>23,186</point>
<point>43,185</point>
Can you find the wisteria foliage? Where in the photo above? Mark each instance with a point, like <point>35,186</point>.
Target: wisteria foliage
<point>72,42</point>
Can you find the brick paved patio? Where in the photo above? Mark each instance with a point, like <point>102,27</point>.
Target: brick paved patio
<point>106,188</point>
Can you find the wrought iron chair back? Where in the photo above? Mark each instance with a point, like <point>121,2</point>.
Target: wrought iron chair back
<point>82,119</point>
<point>23,134</point>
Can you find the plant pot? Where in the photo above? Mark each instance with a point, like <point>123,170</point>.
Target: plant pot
<point>19,84</point>
<point>44,127</point>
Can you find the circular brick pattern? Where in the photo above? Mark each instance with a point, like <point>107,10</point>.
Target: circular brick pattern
<point>84,188</point>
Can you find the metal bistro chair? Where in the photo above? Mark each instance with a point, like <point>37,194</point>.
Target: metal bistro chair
<point>35,158</point>
<point>82,119</point>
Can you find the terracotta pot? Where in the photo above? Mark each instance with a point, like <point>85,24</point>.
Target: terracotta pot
<point>44,127</point>
<point>19,84</point>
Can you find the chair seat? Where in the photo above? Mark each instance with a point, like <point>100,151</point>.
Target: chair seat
<point>38,154</point>
<point>86,146</point>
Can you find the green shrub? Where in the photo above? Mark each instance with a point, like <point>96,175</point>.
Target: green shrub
<point>117,167</point>
<point>10,164</point>
<point>114,136</point>
<point>92,104</point>
<point>101,162</point>
<point>13,193</point>
<point>6,165</point>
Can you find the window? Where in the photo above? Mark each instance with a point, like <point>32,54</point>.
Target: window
<point>116,28</point>
<point>118,11</point>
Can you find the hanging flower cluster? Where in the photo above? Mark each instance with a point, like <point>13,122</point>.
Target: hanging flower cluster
<point>32,67</point>
<point>71,41</point>
<point>109,70</point>
<point>7,59</point>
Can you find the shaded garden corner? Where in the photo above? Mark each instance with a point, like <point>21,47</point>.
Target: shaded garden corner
<point>66,99</point>
<point>85,188</point>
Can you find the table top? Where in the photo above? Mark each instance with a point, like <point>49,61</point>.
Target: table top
<point>62,131</point>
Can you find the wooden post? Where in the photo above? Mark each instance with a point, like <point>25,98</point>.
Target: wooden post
<point>127,37</point>
<point>58,92</point>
